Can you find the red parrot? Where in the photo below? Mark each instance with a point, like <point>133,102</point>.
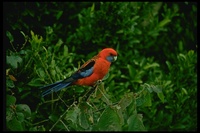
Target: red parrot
<point>88,74</point>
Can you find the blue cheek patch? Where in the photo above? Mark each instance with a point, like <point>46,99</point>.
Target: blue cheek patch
<point>109,58</point>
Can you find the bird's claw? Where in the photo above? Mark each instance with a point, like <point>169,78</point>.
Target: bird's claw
<point>98,82</point>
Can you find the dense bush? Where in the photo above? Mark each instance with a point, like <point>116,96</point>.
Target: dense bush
<point>152,86</point>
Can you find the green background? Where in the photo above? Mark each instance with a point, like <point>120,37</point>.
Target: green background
<point>152,86</point>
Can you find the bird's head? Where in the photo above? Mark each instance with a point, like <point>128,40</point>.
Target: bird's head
<point>109,54</point>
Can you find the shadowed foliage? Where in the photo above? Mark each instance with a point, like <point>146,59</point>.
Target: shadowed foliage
<point>151,87</point>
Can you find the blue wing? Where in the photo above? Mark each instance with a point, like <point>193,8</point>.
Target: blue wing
<point>84,71</point>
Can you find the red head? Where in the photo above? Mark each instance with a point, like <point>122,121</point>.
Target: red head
<point>109,54</point>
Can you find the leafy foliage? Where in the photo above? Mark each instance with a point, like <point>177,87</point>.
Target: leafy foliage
<point>152,86</point>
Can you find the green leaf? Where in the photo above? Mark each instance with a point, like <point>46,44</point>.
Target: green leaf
<point>131,71</point>
<point>37,128</point>
<point>120,31</point>
<point>169,65</point>
<point>59,14</point>
<point>10,100</point>
<point>13,60</point>
<point>53,71</point>
<point>126,104</point>
<point>83,121</point>
<point>24,109</point>
<point>20,116</point>
<point>126,101</point>
<point>92,8</point>
<point>151,65</point>
<point>41,72</point>
<point>33,128</point>
<point>58,44</point>
<point>157,88</point>
<point>161,96</point>
<point>9,83</point>
<point>147,99</point>
<point>164,22</point>
<point>15,125</point>
<point>9,35</point>
<point>180,45</point>
<point>108,121</point>
<point>79,90</point>
<point>139,101</point>
<point>190,53</point>
<point>72,115</point>
<point>160,115</point>
<point>32,33</point>
<point>36,82</point>
<point>135,123</point>
<point>65,50</point>
<point>144,100</point>
<point>148,87</point>
<point>181,57</point>
<point>53,117</point>
<point>9,113</point>
<point>49,30</point>
<point>184,91</point>
<point>167,83</point>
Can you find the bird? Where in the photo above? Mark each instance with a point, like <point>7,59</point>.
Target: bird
<point>88,74</point>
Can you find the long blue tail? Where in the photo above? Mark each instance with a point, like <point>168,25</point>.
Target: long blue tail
<point>55,87</point>
<point>84,72</point>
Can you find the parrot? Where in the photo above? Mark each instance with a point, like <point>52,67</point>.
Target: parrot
<point>88,74</point>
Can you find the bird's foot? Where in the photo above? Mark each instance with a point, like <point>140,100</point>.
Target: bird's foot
<point>98,82</point>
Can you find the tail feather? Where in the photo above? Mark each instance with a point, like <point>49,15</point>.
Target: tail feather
<point>50,85</point>
<point>55,87</point>
<point>46,92</point>
<point>60,86</point>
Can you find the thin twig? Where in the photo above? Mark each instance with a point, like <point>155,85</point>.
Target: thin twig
<point>62,100</point>
<point>39,123</point>
<point>108,102</point>
<point>64,125</point>
<point>61,117</point>
<point>13,46</point>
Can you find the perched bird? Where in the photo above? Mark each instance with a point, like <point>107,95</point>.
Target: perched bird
<point>88,74</point>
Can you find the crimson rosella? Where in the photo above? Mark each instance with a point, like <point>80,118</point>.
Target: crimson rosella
<point>88,74</point>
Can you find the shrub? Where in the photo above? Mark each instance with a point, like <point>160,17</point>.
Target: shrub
<point>152,86</point>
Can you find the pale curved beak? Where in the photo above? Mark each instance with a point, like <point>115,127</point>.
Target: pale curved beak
<point>115,58</point>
